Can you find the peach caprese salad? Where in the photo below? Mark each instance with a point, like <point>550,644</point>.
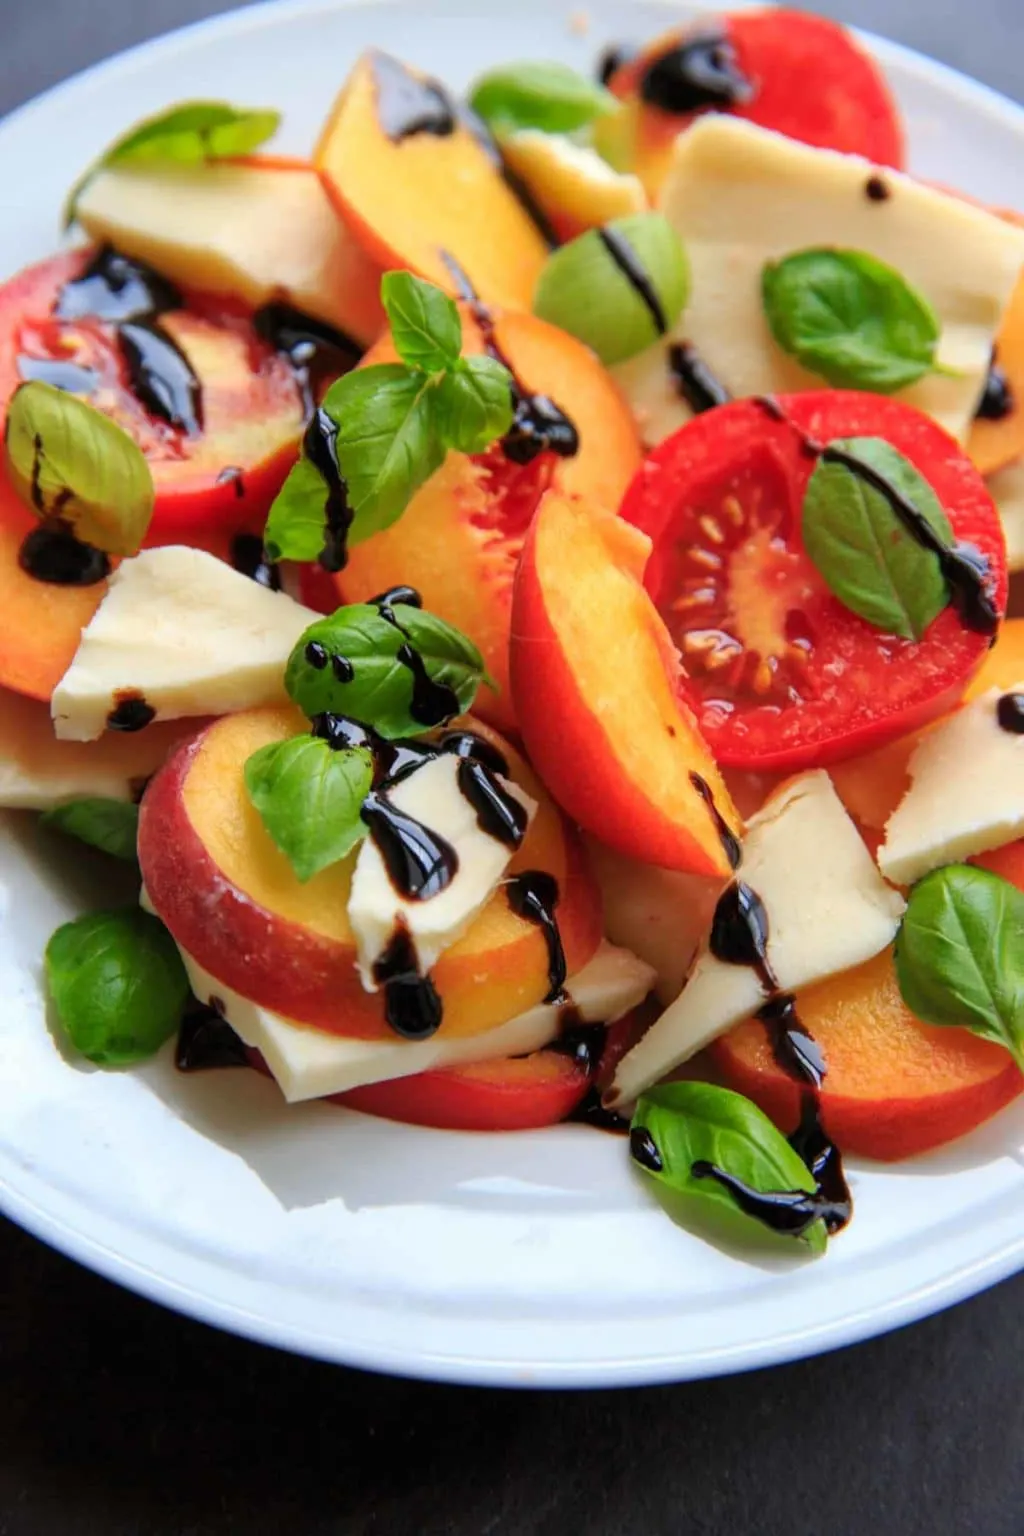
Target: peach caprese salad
<point>528,588</point>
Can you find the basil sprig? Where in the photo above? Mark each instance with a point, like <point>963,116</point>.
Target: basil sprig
<point>117,984</point>
<point>696,1125</point>
<point>110,825</point>
<point>548,96</point>
<point>850,318</point>
<point>869,559</point>
<point>358,670</point>
<point>309,797</point>
<point>186,134</point>
<point>960,954</point>
<point>394,422</point>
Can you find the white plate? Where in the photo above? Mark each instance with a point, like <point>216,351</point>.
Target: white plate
<point>525,1259</point>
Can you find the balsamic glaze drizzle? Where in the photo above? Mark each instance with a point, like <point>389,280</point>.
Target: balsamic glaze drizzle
<point>964,568</point>
<point>700,388</point>
<point>787,1211</point>
<point>407,105</point>
<point>116,288</point>
<point>161,376</point>
<point>318,352</point>
<point>50,552</point>
<point>130,712</point>
<point>642,1149</point>
<point>877,189</point>
<point>997,400</point>
<point>420,863</point>
<point>432,702</point>
<point>319,446</point>
<point>206,1039</point>
<point>612,59</point>
<point>726,836</point>
<point>699,72</point>
<point>635,273</point>
<point>1010,713</point>
<point>533,895</point>
<point>412,1006</point>
<point>71,377</point>
<point>232,475</point>
<point>249,558</point>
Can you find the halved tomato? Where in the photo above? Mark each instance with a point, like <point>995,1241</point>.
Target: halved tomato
<point>779,672</point>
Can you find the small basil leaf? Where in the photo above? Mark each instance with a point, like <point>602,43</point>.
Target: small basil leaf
<point>187,134</point>
<point>110,825</point>
<point>870,561</point>
<point>118,985</point>
<point>66,459</point>
<point>850,318</point>
<point>309,796</point>
<point>295,524</point>
<point>380,689</point>
<point>549,96</point>
<point>388,444</point>
<point>960,954</point>
<point>697,1123</point>
<point>425,324</point>
<point>474,404</point>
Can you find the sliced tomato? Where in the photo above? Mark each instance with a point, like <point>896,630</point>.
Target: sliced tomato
<point>222,474</point>
<point>779,672</point>
<point>804,76</point>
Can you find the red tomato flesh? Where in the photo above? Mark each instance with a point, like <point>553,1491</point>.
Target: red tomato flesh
<point>781,675</point>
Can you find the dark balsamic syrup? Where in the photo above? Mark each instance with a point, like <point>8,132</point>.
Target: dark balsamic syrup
<point>50,552</point>
<point>821,1155</point>
<point>635,273</point>
<point>130,712</point>
<point>432,702</point>
<point>877,189</point>
<point>71,377</point>
<point>590,1111</point>
<point>420,863</point>
<point>699,72</point>
<point>407,105</point>
<point>700,388</point>
<point>206,1040</point>
<point>642,1149</point>
<point>343,669</point>
<point>787,1211</point>
<point>997,400</point>
<point>739,932</point>
<point>161,376</point>
<point>533,896</point>
<point>249,558</point>
<point>320,447</point>
<point>497,813</point>
<point>412,1006</point>
<point>612,59</point>
<point>233,476</point>
<point>726,836</point>
<point>582,1043</point>
<point>116,288</point>
<point>794,1047</point>
<point>342,734</point>
<point>1010,713</point>
<point>318,352</point>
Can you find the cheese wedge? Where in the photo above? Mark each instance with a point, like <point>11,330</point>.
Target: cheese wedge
<point>828,910</point>
<point>431,796</point>
<point>185,633</point>
<point>310,1064</point>
<point>570,182</point>
<point>966,794</point>
<point>740,196</point>
<point>1007,490</point>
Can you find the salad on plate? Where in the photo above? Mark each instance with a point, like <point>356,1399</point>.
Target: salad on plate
<point>527,590</point>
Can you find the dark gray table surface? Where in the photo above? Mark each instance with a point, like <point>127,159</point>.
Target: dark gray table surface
<point>119,1419</point>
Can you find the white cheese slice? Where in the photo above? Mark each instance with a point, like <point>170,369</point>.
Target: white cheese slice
<point>827,908</point>
<point>966,794</point>
<point>431,796</point>
<point>740,196</point>
<point>38,772</point>
<point>1007,490</point>
<point>310,1063</point>
<point>188,633</point>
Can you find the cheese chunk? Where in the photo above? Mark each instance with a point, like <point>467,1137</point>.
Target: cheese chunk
<point>966,794</point>
<point>310,1064</point>
<point>184,632</point>
<point>1007,490</point>
<point>431,796</point>
<point>827,908</point>
<point>740,196</point>
<point>38,772</point>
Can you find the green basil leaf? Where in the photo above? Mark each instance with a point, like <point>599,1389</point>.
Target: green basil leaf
<point>960,954</point>
<point>186,134</point>
<point>380,690</point>
<point>118,985</point>
<point>388,444</point>
<point>549,96</point>
<point>425,323</point>
<point>697,1123</point>
<point>850,318</point>
<point>870,561</point>
<point>110,825</point>
<point>309,797</point>
<point>474,404</point>
<point>296,523</point>
<point>66,459</point>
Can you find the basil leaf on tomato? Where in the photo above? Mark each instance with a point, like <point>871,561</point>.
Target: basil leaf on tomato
<point>960,954</point>
<point>110,825</point>
<point>309,797</point>
<point>850,318</point>
<point>862,548</point>
<point>680,1132</point>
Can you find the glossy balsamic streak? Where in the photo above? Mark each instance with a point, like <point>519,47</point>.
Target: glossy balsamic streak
<point>71,377</point>
<point>420,863</point>
<point>739,932</point>
<point>130,712</point>
<point>340,733</point>
<point>787,1211</point>
<point>635,273</point>
<point>320,447</point>
<point>342,668</point>
<point>642,1149</point>
<point>407,105</point>
<point>731,846</point>
<point>700,388</point>
<point>249,559</point>
<point>533,896</point>
<point>794,1047</point>
<point>233,476</point>
<point>590,1111</point>
<point>318,352</point>
<point>497,813</point>
<point>50,552</point>
<point>612,59</point>
<point>412,1006</point>
<point>699,72</point>
<point>206,1040</point>
<point>877,189</point>
<point>997,400</point>
<point>116,288</point>
<point>582,1043</point>
<point>432,702</point>
<point>1010,713</point>
<point>821,1155</point>
<point>161,376</point>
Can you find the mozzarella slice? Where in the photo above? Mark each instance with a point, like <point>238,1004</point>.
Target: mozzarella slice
<point>431,796</point>
<point>739,196</point>
<point>38,772</point>
<point>184,632</point>
<point>966,794</point>
<point>1007,490</point>
<point>828,910</point>
<point>310,1064</point>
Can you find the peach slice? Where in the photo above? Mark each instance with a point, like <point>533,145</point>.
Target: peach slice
<point>413,181</point>
<point>594,681</point>
<point>458,540</point>
<point>995,444</point>
<point>232,900</point>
